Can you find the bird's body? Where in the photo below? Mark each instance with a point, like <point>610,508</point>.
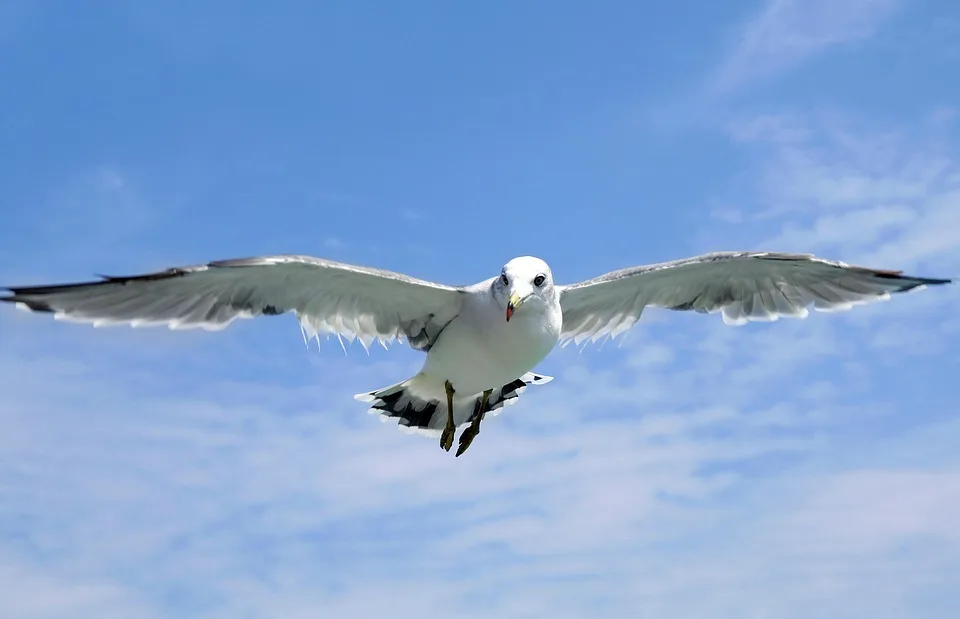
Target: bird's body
<point>477,351</point>
<point>502,350</point>
<point>481,341</point>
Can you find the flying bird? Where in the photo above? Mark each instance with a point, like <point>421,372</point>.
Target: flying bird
<point>481,341</point>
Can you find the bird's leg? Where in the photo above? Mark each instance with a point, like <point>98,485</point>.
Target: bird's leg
<point>474,428</point>
<point>446,439</point>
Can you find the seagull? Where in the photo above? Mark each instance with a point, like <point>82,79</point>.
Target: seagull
<point>481,341</point>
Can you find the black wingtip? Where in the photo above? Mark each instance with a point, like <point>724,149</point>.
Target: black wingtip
<point>31,297</point>
<point>909,282</point>
<point>930,281</point>
<point>34,305</point>
<point>28,295</point>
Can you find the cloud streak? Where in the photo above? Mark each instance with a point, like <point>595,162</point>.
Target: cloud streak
<point>288,498</point>
<point>787,33</point>
<point>697,469</point>
<point>868,192</point>
<point>795,469</point>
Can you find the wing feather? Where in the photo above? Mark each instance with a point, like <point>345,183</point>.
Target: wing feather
<point>742,286</point>
<point>328,298</point>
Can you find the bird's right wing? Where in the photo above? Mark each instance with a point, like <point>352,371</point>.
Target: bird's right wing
<point>742,286</point>
<point>327,297</point>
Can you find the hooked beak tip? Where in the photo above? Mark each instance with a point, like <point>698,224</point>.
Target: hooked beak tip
<point>514,302</point>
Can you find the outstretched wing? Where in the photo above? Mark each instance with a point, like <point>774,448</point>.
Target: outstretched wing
<point>744,286</point>
<point>327,297</point>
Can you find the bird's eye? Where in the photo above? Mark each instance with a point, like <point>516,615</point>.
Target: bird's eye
<point>503,278</point>
<point>539,279</point>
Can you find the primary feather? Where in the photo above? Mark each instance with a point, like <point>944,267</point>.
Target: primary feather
<point>327,297</point>
<point>743,286</point>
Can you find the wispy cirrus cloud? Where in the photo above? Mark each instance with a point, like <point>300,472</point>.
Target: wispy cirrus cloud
<point>871,191</point>
<point>786,33</point>
<point>159,495</point>
<point>698,470</point>
<point>796,469</point>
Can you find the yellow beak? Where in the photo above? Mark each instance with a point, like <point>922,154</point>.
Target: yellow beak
<point>514,302</point>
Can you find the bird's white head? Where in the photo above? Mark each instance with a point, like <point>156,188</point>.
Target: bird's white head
<point>525,281</point>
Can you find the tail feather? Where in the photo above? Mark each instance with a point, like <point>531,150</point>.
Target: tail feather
<point>509,393</point>
<point>421,408</point>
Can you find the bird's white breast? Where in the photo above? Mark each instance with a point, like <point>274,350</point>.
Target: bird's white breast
<point>481,350</point>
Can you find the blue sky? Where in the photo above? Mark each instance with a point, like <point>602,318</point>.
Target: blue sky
<point>796,469</point>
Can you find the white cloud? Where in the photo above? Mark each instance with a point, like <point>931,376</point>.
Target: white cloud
<point>637,484</point>
<point>853,228</point>
<point>935,234</point>
<point>860,190</point>
<point>786,33</point>
<point>875,510</point>
<point>31,591</point>
<point>797,469</point>
<point>784,128</point>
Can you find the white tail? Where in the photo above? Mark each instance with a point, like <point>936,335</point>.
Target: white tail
<point>421,407</point>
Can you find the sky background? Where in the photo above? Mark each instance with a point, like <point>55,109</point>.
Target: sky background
<point>793,470</point>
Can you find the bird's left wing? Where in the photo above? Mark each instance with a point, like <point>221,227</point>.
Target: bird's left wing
<point>744,286</point>
<point>328,298</point>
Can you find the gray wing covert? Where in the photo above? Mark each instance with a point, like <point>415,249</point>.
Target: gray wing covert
<point>742,286</point>
<point>328,298</point>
